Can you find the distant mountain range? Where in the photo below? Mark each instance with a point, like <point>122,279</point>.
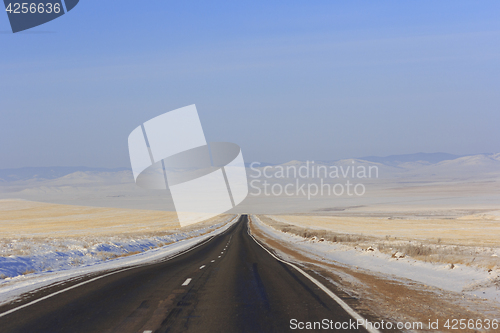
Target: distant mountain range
<point>48,172</point>
<point>423,163</point>
<point>394,160</point>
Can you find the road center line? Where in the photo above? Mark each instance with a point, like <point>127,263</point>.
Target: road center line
<point>188,280</point>
<point>201,243</point>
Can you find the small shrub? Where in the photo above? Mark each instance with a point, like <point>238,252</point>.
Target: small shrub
<point>76,262</point>
<point>417,250</point>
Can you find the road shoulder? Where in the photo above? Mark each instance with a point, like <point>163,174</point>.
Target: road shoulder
<point>384,296</point>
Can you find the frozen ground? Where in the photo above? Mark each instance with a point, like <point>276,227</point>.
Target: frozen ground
<point>38,237</point>
<point>62,260</point>
<point>25,255</point>
<point>452,225</point>
<point>482,283</point>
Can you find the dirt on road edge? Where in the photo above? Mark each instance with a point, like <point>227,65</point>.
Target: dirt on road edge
<point>387,297</point>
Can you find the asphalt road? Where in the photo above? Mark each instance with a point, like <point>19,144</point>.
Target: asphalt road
<point>228,284</point>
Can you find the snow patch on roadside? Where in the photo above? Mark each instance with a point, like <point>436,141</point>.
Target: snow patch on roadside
<point>62,269</point>
<point>463,279</point>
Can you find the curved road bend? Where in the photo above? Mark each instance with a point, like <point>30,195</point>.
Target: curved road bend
<point>229,284</point>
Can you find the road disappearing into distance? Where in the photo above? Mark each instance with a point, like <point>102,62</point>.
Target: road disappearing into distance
<point>229,283</point>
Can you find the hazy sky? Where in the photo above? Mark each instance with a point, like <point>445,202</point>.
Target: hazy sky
<point>317,80</point>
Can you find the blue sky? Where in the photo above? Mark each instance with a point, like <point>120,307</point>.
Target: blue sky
<point>317,80</point>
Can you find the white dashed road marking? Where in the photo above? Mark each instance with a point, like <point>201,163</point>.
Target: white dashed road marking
<point>187,282</point>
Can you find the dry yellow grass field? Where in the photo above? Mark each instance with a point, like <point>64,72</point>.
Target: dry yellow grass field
<point>20,218</point>
<point>480,229</point>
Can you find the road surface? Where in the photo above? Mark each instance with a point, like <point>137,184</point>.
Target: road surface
<point>228,284</point>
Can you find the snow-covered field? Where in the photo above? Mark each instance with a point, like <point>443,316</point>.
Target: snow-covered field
<point>476,281</point>
<point>452,226</point>
<point>52,267</point>
<point>39,237</point>
<point>55,254</point>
